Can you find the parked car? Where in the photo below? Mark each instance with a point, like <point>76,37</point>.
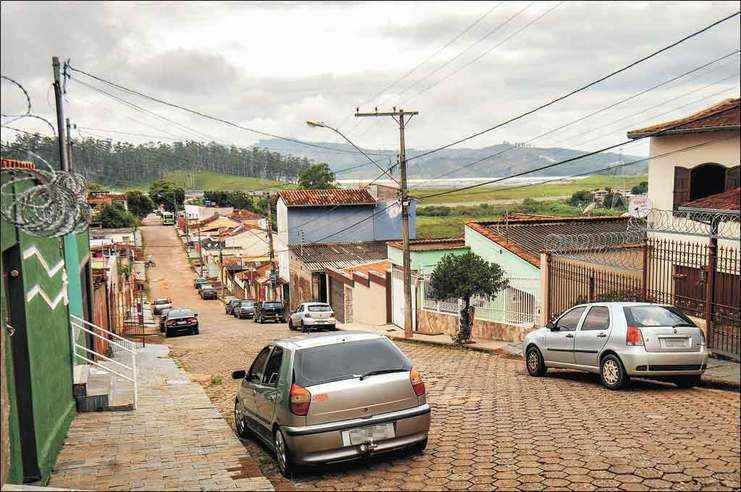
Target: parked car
<point>208,292</point>
<point>312,316</point>
<point>199,282</point>
<point>270,311</point>
<point>163,317</point>
<point>620,340</point>
<point>230,303</point>
<point>245,309</point>
<point>159,304</point>
<point>330,398</point>
<point>181,320</point>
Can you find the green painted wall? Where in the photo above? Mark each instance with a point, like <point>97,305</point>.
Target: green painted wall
<point>513,265</point>
<point>422,261</point>
<point>15,472</point>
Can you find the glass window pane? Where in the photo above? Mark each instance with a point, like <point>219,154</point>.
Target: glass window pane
<point>570,320</point>
<point>598,318</point>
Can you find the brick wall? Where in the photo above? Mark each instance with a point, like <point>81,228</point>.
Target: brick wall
<point>434,323</point>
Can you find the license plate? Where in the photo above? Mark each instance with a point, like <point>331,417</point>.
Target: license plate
<point>375,433</point>
<point>181,322</point>
<point>675,342</point>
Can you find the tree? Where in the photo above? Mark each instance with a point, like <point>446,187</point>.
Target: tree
<point>139,204</point>
<point>614,200</point>
<point>166,193</point>
<point>93,187</point>
<point>581,198</point>
<point>462,277</point>
<point>116,217</point>
<point>640,189</point>
<point>316,177</point>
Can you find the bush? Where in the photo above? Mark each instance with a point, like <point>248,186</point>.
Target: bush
<point>640,189</point>
<point>116,217</point>
<point>581,198</point>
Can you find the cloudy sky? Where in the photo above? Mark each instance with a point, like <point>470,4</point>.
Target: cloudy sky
<point>463,66</point>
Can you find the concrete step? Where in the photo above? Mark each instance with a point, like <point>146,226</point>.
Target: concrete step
<point>103,391</point>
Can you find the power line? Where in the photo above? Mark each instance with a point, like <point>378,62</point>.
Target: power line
<point>207,116</point>
<point>579,89</point>
<point>566,161</point>
<point>105,130</point>
<point>610,106</point>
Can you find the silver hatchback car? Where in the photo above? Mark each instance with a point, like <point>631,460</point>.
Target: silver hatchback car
<point>618,340</point>
<point>328,398</point>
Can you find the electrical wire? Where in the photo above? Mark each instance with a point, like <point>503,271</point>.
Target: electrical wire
<point>579,89</point>
<point>605,108</point>
<point>566,161</point>
<point>207,116</point>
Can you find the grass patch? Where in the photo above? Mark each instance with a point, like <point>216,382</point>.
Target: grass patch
<point>444,221</point>
<point>216,380</point>
<point>556,189</point>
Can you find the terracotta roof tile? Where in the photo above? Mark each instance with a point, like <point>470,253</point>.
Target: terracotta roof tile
<point>726,115</point>
<point>728,200</point>
<point>16,164</point>
<point>323,198</point>
<point>526,237</point>
<point>245,214</point>
<point>376,266</point>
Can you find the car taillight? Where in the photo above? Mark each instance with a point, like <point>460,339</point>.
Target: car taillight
<point>300,400</point>
<point>170,323</point>
<point>417,384</point>
<point>192,321</point>
<point>634,336</point>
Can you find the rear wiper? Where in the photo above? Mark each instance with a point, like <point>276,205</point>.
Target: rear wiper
<point>685,324</point>
<point>381,371</point>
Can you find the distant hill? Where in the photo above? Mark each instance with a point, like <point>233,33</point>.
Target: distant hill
<point>512,160</point>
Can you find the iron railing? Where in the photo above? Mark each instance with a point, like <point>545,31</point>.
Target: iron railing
<point>118,346</point>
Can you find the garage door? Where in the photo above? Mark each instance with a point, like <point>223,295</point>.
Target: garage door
<point>397,299</point>
<point>337,299</point>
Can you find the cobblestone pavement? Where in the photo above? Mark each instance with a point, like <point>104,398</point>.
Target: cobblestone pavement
<point>492,425</point>
<point>174,440</point>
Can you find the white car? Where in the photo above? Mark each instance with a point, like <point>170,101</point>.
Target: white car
<point>312,316</point>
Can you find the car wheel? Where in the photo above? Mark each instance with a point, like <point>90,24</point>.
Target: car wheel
<point>283,455</point>
<point>419,447</point>
<point>302,327</point>
<point>687,381</point>
<point>613,373</point>
<point>534,362</point>
<point>242,430</point>
<point>290,325</point>
<point>168,333</point>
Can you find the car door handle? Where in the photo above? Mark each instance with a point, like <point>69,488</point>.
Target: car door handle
<point>602,335</point>
<point>569,336</point>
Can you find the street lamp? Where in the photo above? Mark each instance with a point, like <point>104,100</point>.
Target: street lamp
<point>321,124</point>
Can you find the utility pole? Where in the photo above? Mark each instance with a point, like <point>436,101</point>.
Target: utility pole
<point>402,118</point>
<point>273,279</point>
<point>61,134</point>
<point>69,142</point>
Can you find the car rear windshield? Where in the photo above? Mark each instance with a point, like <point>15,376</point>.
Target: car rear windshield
<point>647,316</point>
<point>247,303</point>
<point>272,304</point>
<point>318,365</point>
<point>179,313</point>
<point>319,307</point>
<point>162,301</point>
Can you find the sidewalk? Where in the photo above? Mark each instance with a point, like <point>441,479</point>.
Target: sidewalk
<point>722,374</point>
<point>175,439</point>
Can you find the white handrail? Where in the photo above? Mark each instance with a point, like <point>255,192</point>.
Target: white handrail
<point>84,321</point>
<point>78,323</point>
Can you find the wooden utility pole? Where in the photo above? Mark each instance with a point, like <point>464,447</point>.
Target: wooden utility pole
<point>402,118</point>
<point>273,279</point>
<point>61,134</point>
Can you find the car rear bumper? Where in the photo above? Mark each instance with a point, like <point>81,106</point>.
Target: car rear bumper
<point>318,322</point>
<point>272,316</point>
<point>642,363</point>
<point>323,443</point>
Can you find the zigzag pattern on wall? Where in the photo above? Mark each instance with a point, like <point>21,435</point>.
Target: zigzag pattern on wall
<point>33,251</point>
<point>37,290</point>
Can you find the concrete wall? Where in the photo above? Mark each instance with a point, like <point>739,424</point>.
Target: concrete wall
<point>433,323</point>
<point>421,261</point>
<point>724,151</point>
<point>369,303</point>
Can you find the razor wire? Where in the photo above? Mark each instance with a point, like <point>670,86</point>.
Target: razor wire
<point>614,249</point>
<point>709,224</point>
<point>27,113</point>
<point>52,204</point>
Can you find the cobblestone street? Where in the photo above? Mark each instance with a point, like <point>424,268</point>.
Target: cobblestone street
<point>493,426</point>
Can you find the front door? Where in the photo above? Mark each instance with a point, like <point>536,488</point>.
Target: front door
<point>592,336</point>
<point>267,393</point>
<point>560,340</point>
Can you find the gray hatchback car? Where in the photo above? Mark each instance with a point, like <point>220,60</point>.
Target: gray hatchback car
<point>329,398</point>
<point>618,340</point>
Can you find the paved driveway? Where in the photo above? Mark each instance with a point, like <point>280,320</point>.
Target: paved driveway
<point>493,426</point>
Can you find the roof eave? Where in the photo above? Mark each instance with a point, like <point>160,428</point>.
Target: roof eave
<point>638,134</point>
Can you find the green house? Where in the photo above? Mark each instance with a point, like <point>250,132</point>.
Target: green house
<point>44,280</point>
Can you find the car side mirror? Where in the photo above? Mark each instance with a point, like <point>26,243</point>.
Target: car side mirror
<point>195,314</point>
<point>273,381</point>
<point>239,374</point>
<point>552,326</point>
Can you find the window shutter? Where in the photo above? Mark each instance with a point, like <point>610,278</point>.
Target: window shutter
<point>732,178</point>
<point>681,186</point>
